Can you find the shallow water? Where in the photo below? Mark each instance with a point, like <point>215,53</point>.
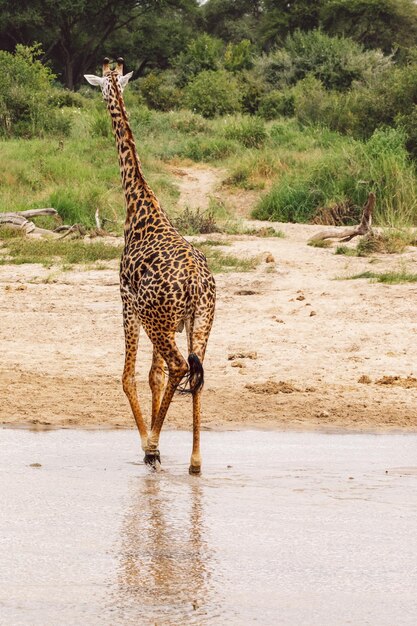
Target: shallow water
<point>281,528</point>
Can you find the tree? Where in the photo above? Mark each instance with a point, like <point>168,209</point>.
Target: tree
<point>383,24</point>
<point>282,17</point>
<point>73,33</point>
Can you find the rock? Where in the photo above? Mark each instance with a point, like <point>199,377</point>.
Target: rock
<point>242,355</point>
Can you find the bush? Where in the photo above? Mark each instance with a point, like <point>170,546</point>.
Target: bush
<point>189,123</point>
<point>276,103</point>
<point>408,123</point>
<point>252,88</point>
<point>75,207</point>
<point>100,124</point>
<point>336,61</point>
<point>25,92</point>
<point>249,131</point>
<point>346,175</point>
<point>213,93</point>
<point>238,56</point>
<point>160,92</point>
<point>60,97</point>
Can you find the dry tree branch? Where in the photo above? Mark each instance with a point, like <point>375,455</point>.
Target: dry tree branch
<point>349,233</point>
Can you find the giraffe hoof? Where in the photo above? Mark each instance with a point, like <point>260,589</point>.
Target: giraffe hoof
<point>153,459</point>
<point>194,470</point>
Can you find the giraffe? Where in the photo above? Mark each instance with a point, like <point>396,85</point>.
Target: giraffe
<point>165,285</point>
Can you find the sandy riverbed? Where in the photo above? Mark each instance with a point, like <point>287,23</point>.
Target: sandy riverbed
<point>305,341</point>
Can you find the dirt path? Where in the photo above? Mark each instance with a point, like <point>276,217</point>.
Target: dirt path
<point>289,345</point>
<point>196,185</point>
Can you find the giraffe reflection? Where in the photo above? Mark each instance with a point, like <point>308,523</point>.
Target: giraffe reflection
<point>164,572</point>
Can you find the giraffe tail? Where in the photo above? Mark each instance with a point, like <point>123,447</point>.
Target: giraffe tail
<point>194,377</point>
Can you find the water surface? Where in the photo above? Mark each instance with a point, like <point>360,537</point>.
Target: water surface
<point>281,528</point>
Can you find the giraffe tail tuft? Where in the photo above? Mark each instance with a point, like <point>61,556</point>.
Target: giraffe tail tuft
<point>194,377</point>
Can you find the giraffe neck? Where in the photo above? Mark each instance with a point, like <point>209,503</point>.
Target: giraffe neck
<point>139,196</point>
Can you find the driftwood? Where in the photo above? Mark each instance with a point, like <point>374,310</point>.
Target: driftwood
<point>349,233</point>
<point>21,220</point>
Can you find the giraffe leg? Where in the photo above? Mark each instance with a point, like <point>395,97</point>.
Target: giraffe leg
<point>131,327</point>
<point>198,333</point>
<point>177,367</point>
<point>156,382</point>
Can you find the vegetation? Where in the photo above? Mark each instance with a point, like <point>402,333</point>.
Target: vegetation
<point>311,103</point>
<point>19,250</point>
<point>389,278</point>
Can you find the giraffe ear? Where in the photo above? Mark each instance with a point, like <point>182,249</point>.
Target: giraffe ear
<point>125,79</point>
<point>97,81</point>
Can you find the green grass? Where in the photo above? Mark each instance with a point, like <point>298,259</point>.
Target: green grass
<point>388,278</point>
<point>223,263</point>
<point>387,242</point>
<point>346,251</point>
<point>19,250</point>
<point>301,169</point>
<point>320,243</point>
<point>48,252</point>
<point>347,172</point>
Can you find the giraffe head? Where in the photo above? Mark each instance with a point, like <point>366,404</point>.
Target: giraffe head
<point>109,78</point>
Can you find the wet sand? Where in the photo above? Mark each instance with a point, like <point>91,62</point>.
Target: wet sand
<point>282,527</point>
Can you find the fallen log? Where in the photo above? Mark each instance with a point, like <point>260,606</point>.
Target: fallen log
<point>347,234</point>
<point>19,221</point>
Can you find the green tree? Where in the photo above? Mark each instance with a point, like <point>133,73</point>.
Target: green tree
<point>75,34</point>
<point>233,20</point>
<point>383,24</point>
<point>281,17</point>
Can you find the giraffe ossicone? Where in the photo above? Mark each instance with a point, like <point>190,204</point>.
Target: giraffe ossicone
<point>165,284</point>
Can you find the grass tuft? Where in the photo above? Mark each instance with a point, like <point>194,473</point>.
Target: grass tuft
<point>224,263</point>
<point>320,243</point>
<point>49,252</point>
<point>388,278</point>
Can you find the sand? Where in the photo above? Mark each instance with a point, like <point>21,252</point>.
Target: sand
<point>292,346</point>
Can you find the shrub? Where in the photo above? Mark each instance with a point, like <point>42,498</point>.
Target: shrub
<point>213,93</point>
<point>160,92</point>
<point>276,68</point>
<point>60,97</point>
<point>408,123</point>
<point>100,124</point>
<point>249,131</point>
<point>195,222</point>
<point>189,123</point>
<point>277,103</point>
<point>336,61</point>
<point>25,91</point>
<point>346,175</point>
<point>238,56</point>
<point>252,88</point>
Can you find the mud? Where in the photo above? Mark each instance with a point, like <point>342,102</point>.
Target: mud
<point>288,528</point>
